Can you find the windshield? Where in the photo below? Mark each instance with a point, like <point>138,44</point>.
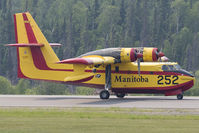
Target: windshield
<point>177,67</point>
<point>171,67</point>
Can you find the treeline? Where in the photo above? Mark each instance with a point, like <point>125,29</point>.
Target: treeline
<point>27,87</point>
<point>85,25</point>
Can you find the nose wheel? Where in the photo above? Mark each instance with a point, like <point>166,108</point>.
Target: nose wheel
<point>180,96</point>
<point>120,95</point>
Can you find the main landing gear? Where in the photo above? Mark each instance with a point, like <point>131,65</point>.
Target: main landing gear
<point>105,93</point>
<point>180,96</point>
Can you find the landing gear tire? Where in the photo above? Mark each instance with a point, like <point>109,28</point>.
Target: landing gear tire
<point>104,94</point>
<point>180,96</point>
<point>120,95</point>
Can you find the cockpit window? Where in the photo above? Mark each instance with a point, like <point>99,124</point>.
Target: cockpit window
<point>177,67</point>
<point>170,67</point>
<point>165,68</point>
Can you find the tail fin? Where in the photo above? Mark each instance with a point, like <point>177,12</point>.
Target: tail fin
<point>32,44</point>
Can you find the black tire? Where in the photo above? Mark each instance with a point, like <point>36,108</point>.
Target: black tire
<point>104,94</point>
<point>120,95</point>
<point>180,96</point>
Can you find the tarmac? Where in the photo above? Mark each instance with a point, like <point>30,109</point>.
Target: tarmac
<point>149,102</point>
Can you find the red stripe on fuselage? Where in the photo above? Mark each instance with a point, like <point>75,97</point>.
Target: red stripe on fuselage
<point>183,87</point>
<point>161,88</point>
<point>142,72</point>
<point>81,80</point>
<point>37,55</point>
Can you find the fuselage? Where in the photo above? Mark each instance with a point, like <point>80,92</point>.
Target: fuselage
<point>156,77</point>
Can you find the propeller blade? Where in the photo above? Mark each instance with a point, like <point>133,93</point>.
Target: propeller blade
<point>138,61</point>
<point>164,59</point>
<point>139,55</point>
<point>160,54</point>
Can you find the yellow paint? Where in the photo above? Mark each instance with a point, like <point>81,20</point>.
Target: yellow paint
<point>109,60</point>
<point>147,54</point>
<point>125,55</point>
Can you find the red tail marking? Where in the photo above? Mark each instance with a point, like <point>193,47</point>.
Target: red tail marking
<point>15,23</point>
<point>19,72</point>
<point>30,33</point>
<point>37,55</point>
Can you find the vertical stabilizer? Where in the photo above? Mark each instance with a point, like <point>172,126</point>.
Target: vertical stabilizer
<point>37,47</point>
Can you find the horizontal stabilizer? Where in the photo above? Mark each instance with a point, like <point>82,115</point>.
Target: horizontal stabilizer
<point>55,44</point>
<point>25,45</point>
<point>78,77</point>
<point>31,44</point>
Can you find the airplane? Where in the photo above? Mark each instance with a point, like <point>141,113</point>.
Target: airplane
<point>113,70</point>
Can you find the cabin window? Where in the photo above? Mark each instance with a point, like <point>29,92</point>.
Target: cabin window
<point>117,69</point>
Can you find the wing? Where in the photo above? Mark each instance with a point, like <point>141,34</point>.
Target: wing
<point>89,60</point>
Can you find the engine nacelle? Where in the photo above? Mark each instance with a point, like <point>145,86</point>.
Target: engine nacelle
<point>145,54</point>
<point>128,55</point>
<point>151,54</point>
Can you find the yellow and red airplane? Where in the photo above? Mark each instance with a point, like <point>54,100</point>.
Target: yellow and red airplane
<point>119,70</point>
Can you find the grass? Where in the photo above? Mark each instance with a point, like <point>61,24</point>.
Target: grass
<point>93,120</point>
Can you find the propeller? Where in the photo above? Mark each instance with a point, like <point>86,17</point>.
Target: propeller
<point>156,54</point>
<point>160,54</point>
<point>164,59</point>
<point>138,61</point>
<point>146,55</point>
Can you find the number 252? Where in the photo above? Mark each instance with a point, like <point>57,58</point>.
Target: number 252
<point>167,79</point>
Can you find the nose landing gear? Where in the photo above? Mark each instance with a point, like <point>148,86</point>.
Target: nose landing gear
<point>120,95</point>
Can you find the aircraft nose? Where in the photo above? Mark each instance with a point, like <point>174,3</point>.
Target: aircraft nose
<point>184,72</point>
<point>187,76</point>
